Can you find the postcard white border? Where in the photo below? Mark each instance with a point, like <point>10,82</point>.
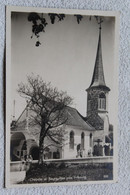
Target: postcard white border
<point>10,9</point>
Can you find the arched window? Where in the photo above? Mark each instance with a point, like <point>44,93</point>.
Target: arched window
<point>91,139</point>
<point>82,140</point>
<point>102,101</point>
<point>71,140</point>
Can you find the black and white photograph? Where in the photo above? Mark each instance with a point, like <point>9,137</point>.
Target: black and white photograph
<point>61,96</point>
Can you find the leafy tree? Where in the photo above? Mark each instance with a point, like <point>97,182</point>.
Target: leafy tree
<point>47,105</point>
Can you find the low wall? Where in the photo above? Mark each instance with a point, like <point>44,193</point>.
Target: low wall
<point>105,159</point>
<point>16,177</point>
<point>20,166</point>
<point>17,166</point>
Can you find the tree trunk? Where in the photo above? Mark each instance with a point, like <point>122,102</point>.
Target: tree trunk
<point>41,154</point>
<point>41,145</point>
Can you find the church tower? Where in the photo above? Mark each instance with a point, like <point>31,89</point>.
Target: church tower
<point>97,93</point>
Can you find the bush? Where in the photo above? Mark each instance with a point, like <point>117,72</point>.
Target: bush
<point>62,165</point>
<point>51,165</point>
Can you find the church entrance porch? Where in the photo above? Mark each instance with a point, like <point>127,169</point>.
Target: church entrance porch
<point>34,152</point>
<point>22,146</point>
<point>18,146</point>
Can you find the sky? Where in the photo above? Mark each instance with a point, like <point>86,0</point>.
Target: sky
<point>66,57</point>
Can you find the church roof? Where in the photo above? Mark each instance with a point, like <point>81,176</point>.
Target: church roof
<point>98,79</point>
<point>20,123</point>
<point>95,120</point>
<point>76,119</point>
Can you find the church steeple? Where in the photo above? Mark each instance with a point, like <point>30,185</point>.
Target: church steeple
<point>98,91</point>
<point>98,74</point>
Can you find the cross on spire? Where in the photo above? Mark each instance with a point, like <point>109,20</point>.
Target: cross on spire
<point>100,22</point>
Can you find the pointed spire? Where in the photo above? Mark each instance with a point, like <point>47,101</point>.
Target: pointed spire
<point>98,74</point>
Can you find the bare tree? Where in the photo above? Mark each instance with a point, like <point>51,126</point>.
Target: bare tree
<point>48,107</point>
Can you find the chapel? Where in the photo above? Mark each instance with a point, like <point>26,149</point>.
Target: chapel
<point>84,136</point>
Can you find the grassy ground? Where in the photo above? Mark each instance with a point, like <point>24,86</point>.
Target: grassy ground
<point>66,173</point>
